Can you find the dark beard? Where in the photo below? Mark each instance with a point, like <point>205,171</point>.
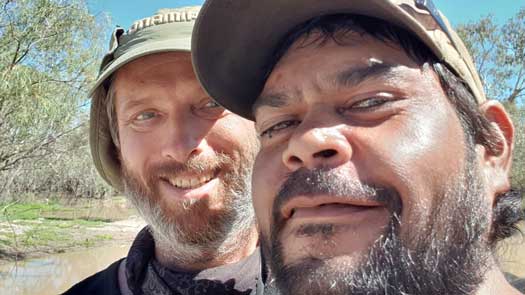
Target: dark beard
<point>448,253</point>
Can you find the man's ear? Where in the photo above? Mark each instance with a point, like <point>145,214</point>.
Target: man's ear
<point>497,161</point>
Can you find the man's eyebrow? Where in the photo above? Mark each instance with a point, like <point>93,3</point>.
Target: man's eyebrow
<point>350,77</point>
<point>354,76</point>
<point>274,100</point>
<point>132,103</point>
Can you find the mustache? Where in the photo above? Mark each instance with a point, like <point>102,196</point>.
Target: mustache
<point>195,165</point>
<point>310,183</point>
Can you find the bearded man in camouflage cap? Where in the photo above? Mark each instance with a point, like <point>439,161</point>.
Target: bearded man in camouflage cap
<point>183,161</point>
<point>383,169</point>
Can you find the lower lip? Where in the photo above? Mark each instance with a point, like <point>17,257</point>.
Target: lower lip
<point>333,212</point>
<point>200,192</point>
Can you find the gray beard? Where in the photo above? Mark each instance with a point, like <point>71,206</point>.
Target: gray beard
<point>446,254</point>
<point>223,234</point>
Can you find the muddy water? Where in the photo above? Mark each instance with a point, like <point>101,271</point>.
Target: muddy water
<point>56,273</point>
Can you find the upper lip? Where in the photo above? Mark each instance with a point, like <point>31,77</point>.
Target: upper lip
<point>314,201</point>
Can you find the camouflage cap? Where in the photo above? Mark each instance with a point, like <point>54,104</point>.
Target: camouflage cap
<point>168,30</point>
<point>234,75</point>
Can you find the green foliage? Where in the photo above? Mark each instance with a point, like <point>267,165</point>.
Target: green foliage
<point>518,166</point>
<point>27,211</point>
<point>43,235</point>
<point>49,55</point>
<point>499,54</point>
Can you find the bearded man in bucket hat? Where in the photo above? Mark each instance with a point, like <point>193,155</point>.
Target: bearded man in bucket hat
<point>182,160</point>
<point>383,169</point>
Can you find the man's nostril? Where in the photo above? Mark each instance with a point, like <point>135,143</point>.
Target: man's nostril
<point>294,159</point>
<point>325,153</point>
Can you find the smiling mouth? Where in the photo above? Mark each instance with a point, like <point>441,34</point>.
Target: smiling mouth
<point>190,181</point>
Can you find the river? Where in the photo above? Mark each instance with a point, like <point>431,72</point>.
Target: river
<point>54,274</point>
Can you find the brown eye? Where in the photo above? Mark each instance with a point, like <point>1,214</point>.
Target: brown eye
<point>369,103</point>
<point>279,127</point>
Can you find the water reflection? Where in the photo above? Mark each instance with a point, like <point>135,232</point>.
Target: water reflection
<point>56,273</point>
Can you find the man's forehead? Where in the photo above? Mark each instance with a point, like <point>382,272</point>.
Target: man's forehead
<point>318,38</point>
<point>154,77</point>
<point>161,68</point>
<point>353,58</point>
<point>345,76</point>
<point>344,38</point>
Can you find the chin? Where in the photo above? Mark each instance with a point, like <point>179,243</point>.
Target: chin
<point>327,243</point>
<point>311,275</point>
<point>190,210</point>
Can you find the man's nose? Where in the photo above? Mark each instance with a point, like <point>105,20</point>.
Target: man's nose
<point>317,147</point>
<point>181,141</point>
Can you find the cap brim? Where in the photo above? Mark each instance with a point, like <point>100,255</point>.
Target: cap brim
<point>172,45</point>
<point>234,41</point>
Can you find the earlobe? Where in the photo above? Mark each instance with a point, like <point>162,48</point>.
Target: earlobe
<point>497,159</point>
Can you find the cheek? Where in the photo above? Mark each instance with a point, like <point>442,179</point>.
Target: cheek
<point>233,134</point>
<point>421,158</point>
<point>435,143</point>
<point>135,148</point>
<point>266,181</point>
<point>433,150</point>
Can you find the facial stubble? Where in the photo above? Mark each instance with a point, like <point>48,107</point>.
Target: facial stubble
<point>449,255</point>
<point>191,232</point>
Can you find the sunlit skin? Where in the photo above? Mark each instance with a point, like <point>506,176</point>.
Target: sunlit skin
<point>369,111</point>
<point>164,116</point>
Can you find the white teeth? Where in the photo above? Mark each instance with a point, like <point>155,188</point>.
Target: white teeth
<point>189,182</point>
<point>194,182</point>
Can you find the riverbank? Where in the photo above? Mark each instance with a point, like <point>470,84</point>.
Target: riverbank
<point>32,229</point>
<point>37,229</point>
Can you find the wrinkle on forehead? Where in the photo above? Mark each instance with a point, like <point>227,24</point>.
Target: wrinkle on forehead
<point>365,59</point>
<point>152,66</point>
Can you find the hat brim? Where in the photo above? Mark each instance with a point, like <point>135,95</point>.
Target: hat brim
<point>172,45</point>
<point>234,41</point>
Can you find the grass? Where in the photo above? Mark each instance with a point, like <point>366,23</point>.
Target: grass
<point>51,226</point>
<point>47,233</point>
<point>30,211</point>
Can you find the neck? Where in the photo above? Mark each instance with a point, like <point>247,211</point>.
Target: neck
<point>495,283</point>
<point>241,247</point>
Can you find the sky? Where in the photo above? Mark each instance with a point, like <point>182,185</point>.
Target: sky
<point>124,12</point>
